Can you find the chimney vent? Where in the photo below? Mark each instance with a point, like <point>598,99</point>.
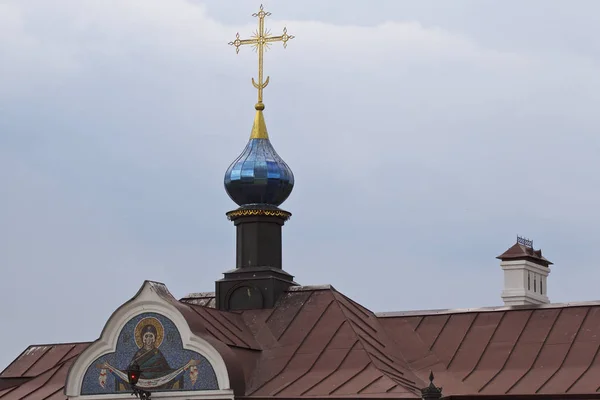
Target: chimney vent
<point>525,274</point>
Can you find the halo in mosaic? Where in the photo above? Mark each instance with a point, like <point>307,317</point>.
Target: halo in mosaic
<point>154,343</point>
<point>259,176</point>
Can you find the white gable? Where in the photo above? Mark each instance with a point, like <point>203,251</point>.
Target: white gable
<point>151,330</point>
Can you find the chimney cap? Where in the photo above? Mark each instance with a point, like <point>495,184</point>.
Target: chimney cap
<point>523,250</point>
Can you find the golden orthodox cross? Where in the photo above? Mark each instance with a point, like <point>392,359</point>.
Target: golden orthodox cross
<point>261,39</point>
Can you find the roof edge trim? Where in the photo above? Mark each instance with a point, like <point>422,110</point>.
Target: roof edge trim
<point>416,313</point>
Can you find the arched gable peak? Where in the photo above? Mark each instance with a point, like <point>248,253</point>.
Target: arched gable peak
<point>150,329</point>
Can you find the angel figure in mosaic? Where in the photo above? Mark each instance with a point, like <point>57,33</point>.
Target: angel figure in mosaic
<point>156,373</point>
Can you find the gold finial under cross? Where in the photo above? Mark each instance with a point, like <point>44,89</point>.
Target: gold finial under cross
<point>261,39</point>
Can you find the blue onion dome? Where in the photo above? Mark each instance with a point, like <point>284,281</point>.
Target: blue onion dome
<point>259,175</point>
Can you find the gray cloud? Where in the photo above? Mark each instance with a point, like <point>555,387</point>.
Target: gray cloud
<point>423,138</point>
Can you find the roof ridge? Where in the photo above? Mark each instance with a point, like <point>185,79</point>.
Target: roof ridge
<point>300,288</point>
<point>59,344</point>
<point>360,306</point>
<point>479,310</point>
<point>198,295</point>
<point>361,341</point>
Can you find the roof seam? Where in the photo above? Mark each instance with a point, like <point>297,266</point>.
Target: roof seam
<point>393,387</point>
<point>378,378</point>
<point>60,363</point>
<point>485,348</point>
<point>397,377</point>
<point>392,372</point>
<point>440,332</point>
<point>461,342</point>
<point>422,318</point>
<point>297,348</point>
<point>360,307</point>
<point>414,389</point>
<point>57,368</point>
<point>586,370</point>
<point>509,353</point>
<point>36,361</point>
<point>295,315</point>
<point>10,390</point>
<point>271,314</point>
<point>53,393</point>
<point>417,337</point>
<point>568,351</point>
<point>64,358</point>
<point>383,361</point>
<point>539,351</point>
<point>360,371</point>
<point>363,333</point>
<point>355,325</point>
<point>401,379</point>
<point>333,371</point>
<point>359,318</point>
<point>207,325</point>
<point>14,361</point>
<point>283,387</point>
<point>209,311</point>
<point>226,315</point>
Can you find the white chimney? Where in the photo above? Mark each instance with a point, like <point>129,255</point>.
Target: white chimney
<point>525,274</point>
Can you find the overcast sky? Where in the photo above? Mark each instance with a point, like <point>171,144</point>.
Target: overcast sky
<point>423,135</point>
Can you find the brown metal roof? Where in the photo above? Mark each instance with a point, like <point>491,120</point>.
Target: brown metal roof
<point>319,343</point>
<point>42,371</point>
<point>226,327</point>
<point>521,252</point>
<point>547,349</point>
<point>7,383</point>
<point>540,350</point>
